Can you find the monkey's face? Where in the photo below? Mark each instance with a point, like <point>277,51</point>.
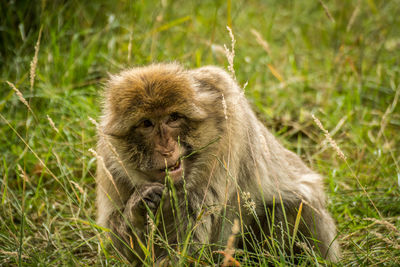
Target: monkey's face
<point>157,139</point>
<point>152,116</point>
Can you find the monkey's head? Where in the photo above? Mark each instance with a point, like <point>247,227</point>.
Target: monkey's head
<point>153,117</point>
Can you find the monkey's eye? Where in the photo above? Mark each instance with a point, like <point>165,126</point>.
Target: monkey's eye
<point>146,123</point>
<point>174,117</point>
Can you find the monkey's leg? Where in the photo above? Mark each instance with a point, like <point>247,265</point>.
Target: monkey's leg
<point>323,230</point>
<point>316,227</point>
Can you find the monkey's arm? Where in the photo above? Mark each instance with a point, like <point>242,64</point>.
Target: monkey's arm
<point>125,213</point>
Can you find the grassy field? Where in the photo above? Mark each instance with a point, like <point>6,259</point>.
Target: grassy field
<point>338,60</point>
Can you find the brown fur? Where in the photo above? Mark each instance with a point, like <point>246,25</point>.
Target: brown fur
<point>233,153</point>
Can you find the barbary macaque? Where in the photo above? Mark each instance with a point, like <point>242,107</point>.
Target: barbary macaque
<point>182,150</point>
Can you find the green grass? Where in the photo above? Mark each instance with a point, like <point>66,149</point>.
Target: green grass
<point>345,71</point>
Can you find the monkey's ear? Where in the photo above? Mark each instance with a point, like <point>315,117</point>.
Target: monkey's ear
<point>212,79</point>
<point>195,112</point>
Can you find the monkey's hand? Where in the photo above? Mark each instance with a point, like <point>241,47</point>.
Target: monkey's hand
<point>146,196</point>
<point>151,196</point>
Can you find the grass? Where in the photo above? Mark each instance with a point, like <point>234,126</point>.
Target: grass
<point>338,60</point>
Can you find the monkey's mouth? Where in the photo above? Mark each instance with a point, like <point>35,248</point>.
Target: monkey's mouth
<point>175,167</point>
<point>174,171</point>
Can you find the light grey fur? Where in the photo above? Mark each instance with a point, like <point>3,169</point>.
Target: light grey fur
<point>235,154</point>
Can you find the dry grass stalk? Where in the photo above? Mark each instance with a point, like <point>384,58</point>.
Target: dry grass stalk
<point>249,204</point>
<point>101,161</point>
<point>353,16</point>
<point>329,138</point>
<point>341,155</point>
<point>20,96</point>
<point>304,247</point>
<point>151,224</point>
<point>275,72</point>
<point>389,110</point>
<point>348,236</point>
<point>327,11</point>
<point>35,59</point>
<point>52,124</point>
<point>12,253</point>
<point>230,246</point>
<point>230,54</point>
<point>78,187</point>
<point>23,173</point>
<point>245,85</point>
<point>261,41</point>
<point>387,225</point>
<point>109,145</point>
<point>30,149</point>
<point>215,209</point>
<point>387,240</point>
<point>94,122</point>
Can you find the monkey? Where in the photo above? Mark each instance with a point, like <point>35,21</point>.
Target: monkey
<point>192,132</point>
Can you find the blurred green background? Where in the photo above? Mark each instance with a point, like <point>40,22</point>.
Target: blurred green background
<point>339,60</point>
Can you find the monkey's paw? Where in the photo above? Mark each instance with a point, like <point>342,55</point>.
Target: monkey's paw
<point>145,197</point>
<point>151,196</point>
